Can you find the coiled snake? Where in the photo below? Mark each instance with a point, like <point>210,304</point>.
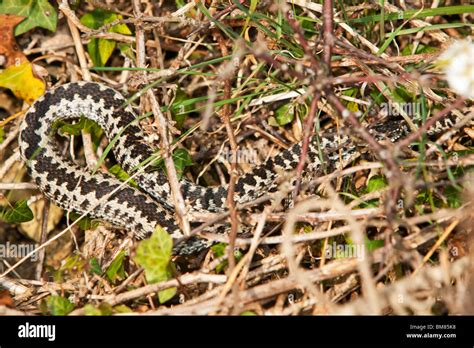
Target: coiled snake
<point>74,188</point>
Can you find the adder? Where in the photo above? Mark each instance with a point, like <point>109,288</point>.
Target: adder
<point>103,196</point>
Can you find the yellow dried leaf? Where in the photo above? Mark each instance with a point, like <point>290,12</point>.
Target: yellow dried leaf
<point>21,81</point>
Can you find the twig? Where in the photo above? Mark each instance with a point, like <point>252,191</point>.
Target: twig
<point>14,287</point>
<point>225,117</point>
<point>17,186</point>
<point>438,243</point>
<point>89,153</point>
<point>43,237</point>
<point>328,40</point>
<point>161,124</point>
<point>185,279</point>
<point>8,163</point>
<point>308,132</point>
<point>140,46</point>
<point>327,215</point>
<point>79,48</point>
<point>255,242</point>
<point>179,204</point>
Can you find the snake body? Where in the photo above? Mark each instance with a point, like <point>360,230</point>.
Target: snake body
<point>103,196</point>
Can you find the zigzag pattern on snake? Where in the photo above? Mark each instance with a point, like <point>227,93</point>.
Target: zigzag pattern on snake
<point>74,188</point>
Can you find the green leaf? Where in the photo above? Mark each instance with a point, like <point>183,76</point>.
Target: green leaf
<point>408,49</point>
<point>119,28</point>
<point>93,49</point>
<point>106,309</point>
<point>72,262</point>
<point>95,266</point>
<point>285,114</point>
<point>401,95</point>
<point>252,8</point>
<point>85,124</point>
<point>248,314</point>
<point>93,20</point>
<point>181,159</point>
<point>371,245</point>
<point>219,249</point>
<point>221,266</point>
<point>166,294</point>
<point>20,212</point>
<point>85,223</point>
<point>116,269</point>
<point>100,50</point>
<point>105,49</point>
<point>154,256</point>
<point>58,305</point>
<point>126,50</point>
<point>453,196</point>
<point>98,18</point>
<point>103,309</point>
<point>2,133</point>
<point>376,183</point>
<point>122,175</point>
<point>90,310</point>
<point>180,109</point>
<point>308,25</point>
<point>122,309</point>
<point>73,265</point>
<point>37,13</point>
<point>351,92</point>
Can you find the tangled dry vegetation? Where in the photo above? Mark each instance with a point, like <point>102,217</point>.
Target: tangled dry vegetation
<point>251,78</point>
